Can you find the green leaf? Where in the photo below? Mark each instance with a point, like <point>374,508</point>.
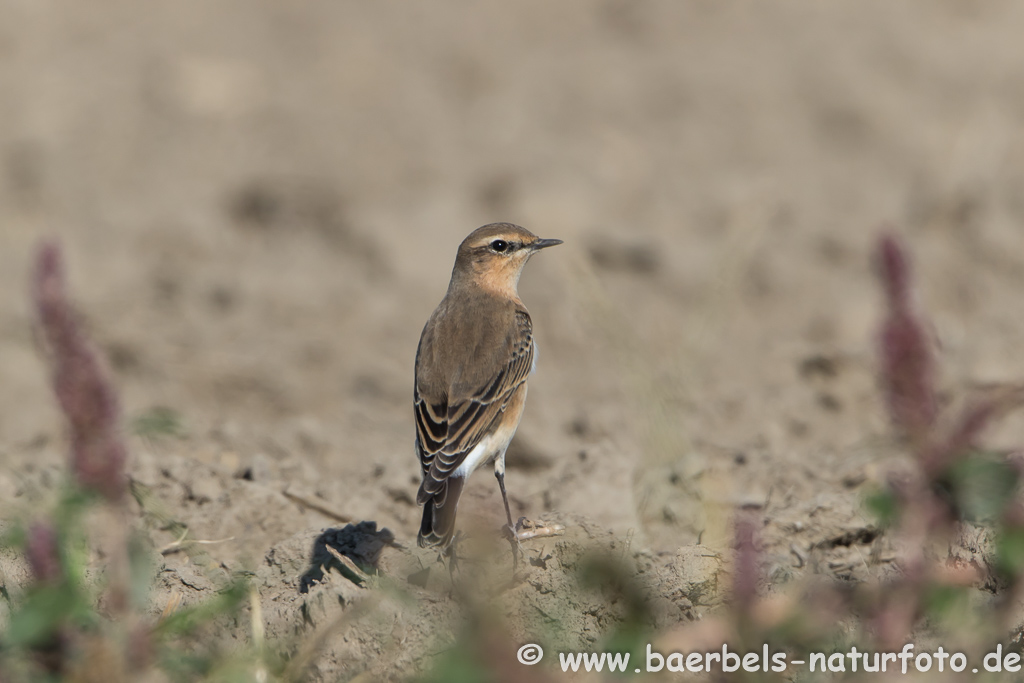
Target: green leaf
<point>1010,550</point>
<point>142,570</point>
<point>44,611</point>
<point>982,486</point>
<point>186,620</point>
<point>158,422</point>
<point>946,600</point>
<point>884,506</point>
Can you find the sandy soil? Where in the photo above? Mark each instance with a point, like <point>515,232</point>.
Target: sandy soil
<point>260,204</point>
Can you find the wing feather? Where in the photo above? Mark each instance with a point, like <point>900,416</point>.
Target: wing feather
<point>445,434</point>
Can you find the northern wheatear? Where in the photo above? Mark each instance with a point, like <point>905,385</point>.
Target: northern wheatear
<point>475,354</point>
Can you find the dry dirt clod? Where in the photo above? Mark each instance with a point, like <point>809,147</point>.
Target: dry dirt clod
<point>527,529</point>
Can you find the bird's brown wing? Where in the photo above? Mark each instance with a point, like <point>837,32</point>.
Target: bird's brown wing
<point>447,431</point>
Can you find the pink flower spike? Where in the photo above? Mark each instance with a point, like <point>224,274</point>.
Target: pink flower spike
<point>907,362</point>
<point>86,396</point>
<point>42,552</point>
<point>746,571</point>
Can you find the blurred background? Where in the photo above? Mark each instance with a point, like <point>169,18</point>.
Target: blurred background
<point>260,203</point>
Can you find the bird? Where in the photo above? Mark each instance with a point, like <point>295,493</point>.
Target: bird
<point>474,356</point>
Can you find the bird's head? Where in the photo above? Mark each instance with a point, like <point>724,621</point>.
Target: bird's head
<point>493,256</point>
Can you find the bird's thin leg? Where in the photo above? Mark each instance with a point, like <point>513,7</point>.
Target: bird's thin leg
<point>451,553</point>
<point>499,473</point>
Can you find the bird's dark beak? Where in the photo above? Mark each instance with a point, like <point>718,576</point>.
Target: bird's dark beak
<point>542,244</point>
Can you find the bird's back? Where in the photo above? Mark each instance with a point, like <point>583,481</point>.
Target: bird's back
<point>461,354</point>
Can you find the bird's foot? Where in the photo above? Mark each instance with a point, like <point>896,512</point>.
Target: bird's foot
<point>450,557</point>
<point>511,534</point>
<point>525,530</point>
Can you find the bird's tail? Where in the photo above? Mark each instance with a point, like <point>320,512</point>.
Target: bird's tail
<point>438,525</point>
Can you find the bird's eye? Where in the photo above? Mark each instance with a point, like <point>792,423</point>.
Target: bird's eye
<point>499,246</point>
